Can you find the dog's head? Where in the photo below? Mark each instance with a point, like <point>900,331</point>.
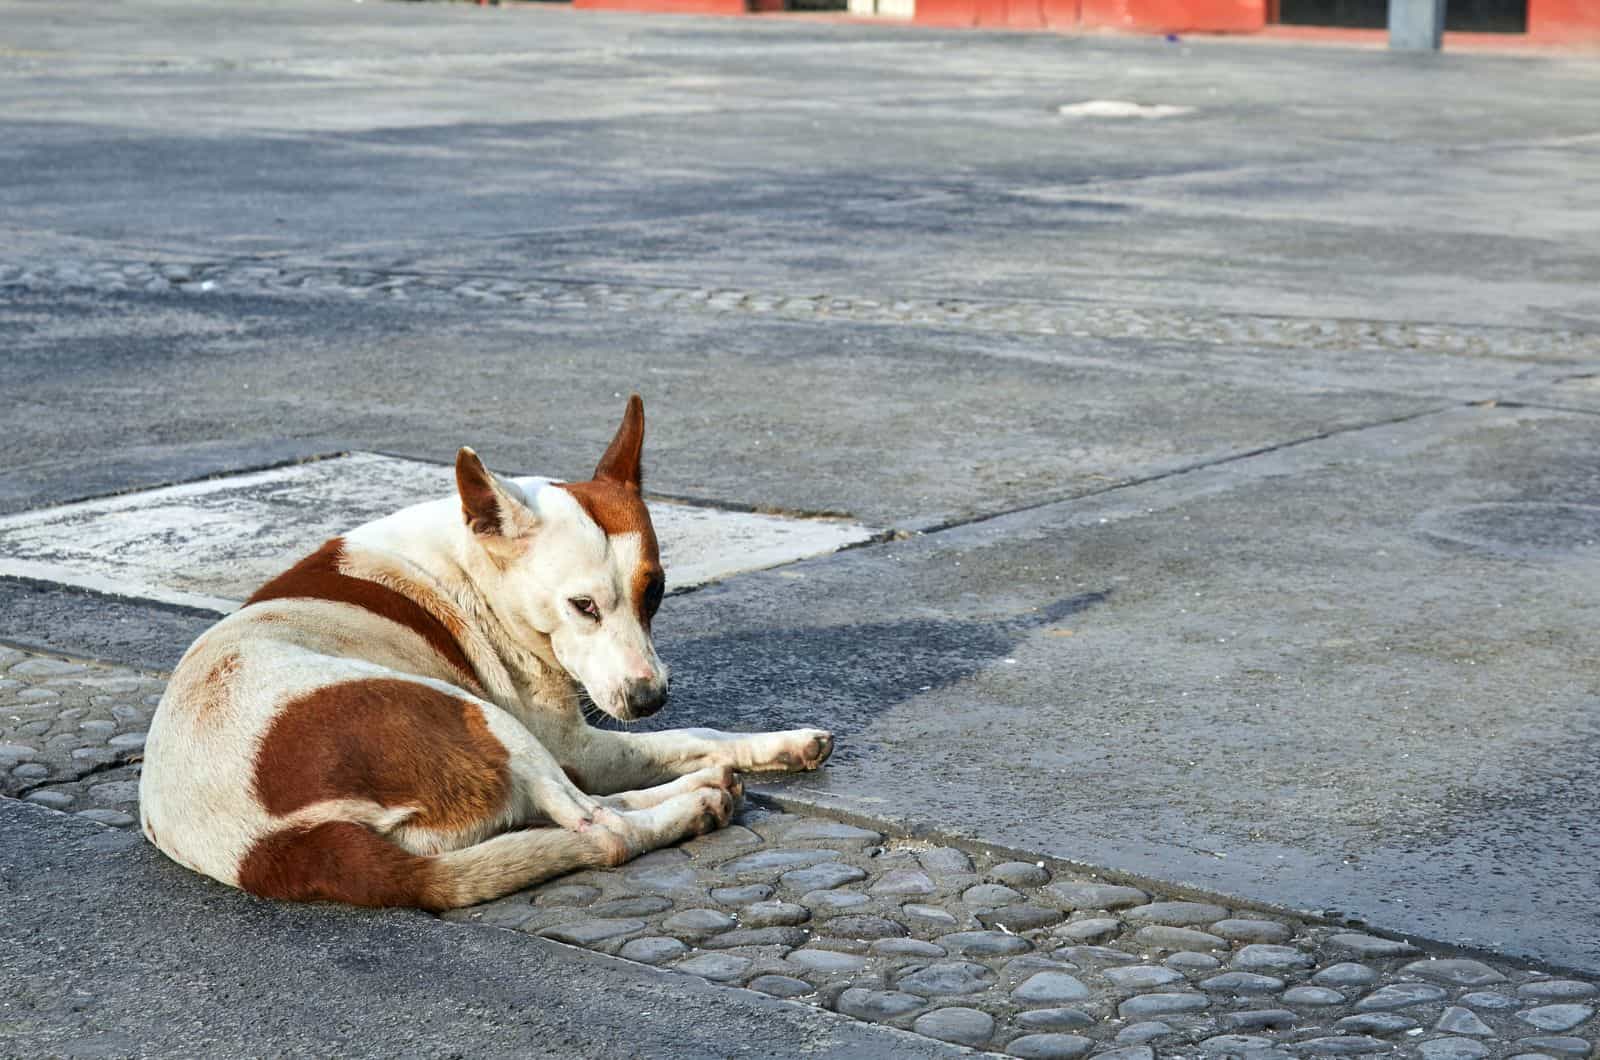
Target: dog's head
<point>576,564</point>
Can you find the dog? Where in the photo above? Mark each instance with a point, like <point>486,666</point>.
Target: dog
<point>398,719</point>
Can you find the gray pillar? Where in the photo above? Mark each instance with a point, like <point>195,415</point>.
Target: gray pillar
<point>1416,25</point>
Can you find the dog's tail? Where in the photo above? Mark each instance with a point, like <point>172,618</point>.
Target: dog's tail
<point>342,861</point>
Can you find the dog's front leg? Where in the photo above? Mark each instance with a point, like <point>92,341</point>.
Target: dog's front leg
<point>608,761</point>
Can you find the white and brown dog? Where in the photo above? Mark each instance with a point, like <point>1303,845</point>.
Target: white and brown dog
<point>396,720</point>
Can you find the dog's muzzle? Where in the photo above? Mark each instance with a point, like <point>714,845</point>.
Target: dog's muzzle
<point>646,697</point>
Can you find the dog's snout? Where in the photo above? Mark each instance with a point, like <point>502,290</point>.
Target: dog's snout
<point>645,697</point>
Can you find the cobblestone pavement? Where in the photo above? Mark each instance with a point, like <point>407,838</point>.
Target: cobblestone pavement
<point>1103,320</point>
<point>965,947</point>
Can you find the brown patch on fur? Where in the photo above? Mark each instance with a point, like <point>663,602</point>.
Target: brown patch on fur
<point>216,687</point>
<point>616,509</point>
<point>480,507</point>
<point>340,862</point>
<point>390,741</point>
<point>574,776</point>
<point>319,577</point>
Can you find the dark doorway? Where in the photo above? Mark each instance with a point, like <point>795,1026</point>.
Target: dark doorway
<point>1472,16</point>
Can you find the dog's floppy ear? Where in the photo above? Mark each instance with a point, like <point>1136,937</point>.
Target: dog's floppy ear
<point>621,464</point>
<point>489,509</point>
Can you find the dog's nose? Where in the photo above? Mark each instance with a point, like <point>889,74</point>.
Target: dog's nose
<point>646,697</point>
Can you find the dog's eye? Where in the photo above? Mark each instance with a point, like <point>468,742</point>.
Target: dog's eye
<point>585,606</point>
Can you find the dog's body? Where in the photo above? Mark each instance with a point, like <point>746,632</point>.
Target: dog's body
<point>396,720</point>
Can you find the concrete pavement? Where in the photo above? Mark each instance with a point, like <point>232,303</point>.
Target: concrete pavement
<point>1243,455</point>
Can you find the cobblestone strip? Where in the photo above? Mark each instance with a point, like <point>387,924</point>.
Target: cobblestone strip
<point>1087,319</point>
<point>1011,956</point>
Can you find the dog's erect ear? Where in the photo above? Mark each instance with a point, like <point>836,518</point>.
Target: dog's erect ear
<point>621,464</point>
<point>486,505</point>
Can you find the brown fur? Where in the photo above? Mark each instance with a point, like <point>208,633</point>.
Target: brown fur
<point>319,577</point>
<point>394,742</point>
<point>618,509</point>
<point>342,862</point>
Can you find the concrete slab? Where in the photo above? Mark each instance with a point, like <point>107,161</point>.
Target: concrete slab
<point>210,544</point>
<point>1357,675</point>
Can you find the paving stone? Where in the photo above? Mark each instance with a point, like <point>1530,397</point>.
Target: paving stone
<point>1256,1019</point>
<point>767,936</point>
<point>833,903</point>
<point>31,771</point>
<point>98,728</point>
<point>110,818</point>
<point>1377,1023</point>
<point>1190,961</point>
<point>1340,1045</point>
<point>945,978</point>
<point>1235,1044</point>
<point>1141,1006</point>
<point>717,967</point>
<point>984,943</point>
<point>1556,1045</point>
<point>990,895</point>
<point>826,962</point>
<point>1488,999</point>
<point>781,985</point>
<point>41,666</point>
<point>878,1006</point>
<point>1143,1031</point>
<point>49,799</point>
<point>1105,896</point>
<point>1399,995</point>
<point>1019,874</point>
<point>674,881</point>
<point>1359,945</point>
<point>589,932</point>
<point>1176,914</point>
<point>1456,971</point>
<point>724,842</point>
<point>572,894</point>
<point>1095,929</point>
<point>1313,996</point>
<point>770,864</point>
<point>1238,930</point>
<point>1096,955</point>
<point>654,949</point>
<point>944,861</point>
<point>1022,917</point>
<point>822,877</point>
<point>661,858</point>
<point>904,881</point>
<point>856,946</point>
<point>1050,1046</point>
<point>746,895</point>
<point>770,914</point>
<point>14,752</point>
<point>642,905</point>
<point>1259,957</point>
<point>698,923</point>
<point>1557,990</point>
<point>1346,974</point>
<point>906,948</point>
<point>115,793</point>
<point>1050,988</point>
<point>1556,1018</point>
<point>1161,937</point>
<point>1132,1052</point>
<point>1458,1020</point>
<point>1243,983</point>
<point>1452,1049</point>
<point>1142,977</point>
<point>866,927</point>
<point>931,913</point>
<point>810,830</point>
<point>964,1026</point>
<point>126,741</point>
<point>1055,1019</point>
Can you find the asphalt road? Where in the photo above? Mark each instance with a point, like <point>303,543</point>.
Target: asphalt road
<point>1245,457</point>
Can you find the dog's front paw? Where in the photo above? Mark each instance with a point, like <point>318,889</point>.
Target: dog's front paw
<point>803,749</point>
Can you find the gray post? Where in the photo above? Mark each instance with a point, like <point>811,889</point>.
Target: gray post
<point>1416,25</point>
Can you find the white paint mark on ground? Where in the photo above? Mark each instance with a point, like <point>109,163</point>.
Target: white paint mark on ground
<point>211,544</point>
<point>1121,108</point>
